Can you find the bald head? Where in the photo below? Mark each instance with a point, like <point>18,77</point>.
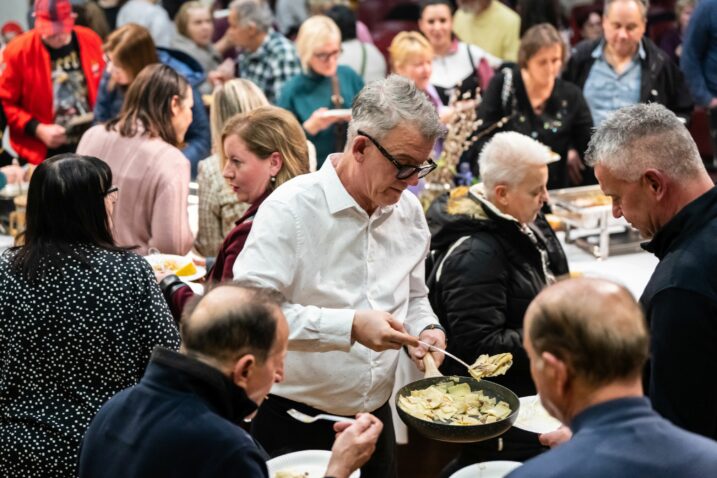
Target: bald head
<point>593,325</point>
<point>231,320</point>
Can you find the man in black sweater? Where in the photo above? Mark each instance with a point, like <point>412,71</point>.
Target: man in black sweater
<point>647,162</point>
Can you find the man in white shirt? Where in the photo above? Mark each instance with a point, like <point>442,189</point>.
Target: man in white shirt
<point>346,247</point>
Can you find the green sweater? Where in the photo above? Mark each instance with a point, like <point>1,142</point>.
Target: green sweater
<point>307,92</point>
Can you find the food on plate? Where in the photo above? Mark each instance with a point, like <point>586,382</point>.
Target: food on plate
<point>171,265</point>
<point>592,201</point>
<point>490,366</point>
<point>453,403</point>
<point>290,474</point>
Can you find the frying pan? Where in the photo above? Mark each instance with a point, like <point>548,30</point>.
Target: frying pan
<point>461,433</point>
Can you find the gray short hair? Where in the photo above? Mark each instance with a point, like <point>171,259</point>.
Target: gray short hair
<point>643,136</point>
<point>383,104</point>
<point>643,4</point>
<point>253,11</point>
<point>507,158</point>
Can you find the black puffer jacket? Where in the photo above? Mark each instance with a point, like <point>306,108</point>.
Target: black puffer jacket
<point>487,282</point>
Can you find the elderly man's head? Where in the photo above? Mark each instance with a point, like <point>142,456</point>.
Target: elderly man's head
<point>623,24</point>
<point>249,21</point>
<point>514,171</point>
<point>581,336</point>
<point>641,154</point>
<point>390,139</point>
<point>242,332</point>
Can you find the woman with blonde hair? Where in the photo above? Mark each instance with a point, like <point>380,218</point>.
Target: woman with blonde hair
<point>261,149</point>
<point>411,56</point>
<point>218,206</point>
<point>321,96</point>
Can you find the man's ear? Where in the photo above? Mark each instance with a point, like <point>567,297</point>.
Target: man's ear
<point>242,370</point>
<point>557,372</point>
<point>656,183</point>
<point>358,148</point>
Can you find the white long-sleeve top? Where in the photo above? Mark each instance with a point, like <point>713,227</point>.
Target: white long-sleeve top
<point>312,242</point>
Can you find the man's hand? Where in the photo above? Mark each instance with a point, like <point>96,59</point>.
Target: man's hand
<point>222,74</point>
<point>354,445</point>
<point>380,331</point>
<point>559,436</point>
<point>53,135</point>
<point>575,167</point>
<point>713,103</point>
<point>431,336</point>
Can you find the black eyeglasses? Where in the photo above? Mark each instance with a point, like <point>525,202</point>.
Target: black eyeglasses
<point>404,171</point>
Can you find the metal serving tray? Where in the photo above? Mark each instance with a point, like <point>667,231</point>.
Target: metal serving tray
<point>590,225</point>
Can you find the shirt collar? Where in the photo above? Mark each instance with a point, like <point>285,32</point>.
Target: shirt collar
<point>600,48</point>
<point>684,224</point>
<point>229,400</point>
<point>337,197</point>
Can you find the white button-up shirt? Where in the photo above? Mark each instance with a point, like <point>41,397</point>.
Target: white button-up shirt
<point>312,242</point>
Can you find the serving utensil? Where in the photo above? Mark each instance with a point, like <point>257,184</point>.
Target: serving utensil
<point>304,418</point>
<point>433,347</point>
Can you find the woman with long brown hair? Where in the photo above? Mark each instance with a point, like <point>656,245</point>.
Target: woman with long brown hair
<point>141,146</point>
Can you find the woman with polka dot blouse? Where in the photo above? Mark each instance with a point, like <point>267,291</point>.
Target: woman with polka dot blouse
<point>78,321</point>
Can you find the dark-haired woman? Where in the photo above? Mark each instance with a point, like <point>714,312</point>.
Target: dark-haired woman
<point>129,49</point>
<point>141,147</point>
<point>79,318</point>
<point>541,106</point>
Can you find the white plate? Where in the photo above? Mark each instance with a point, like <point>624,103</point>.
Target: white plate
<point>157,258</point>
<point>313,462</point>
<point>534,418</point>
<point>487,469</point>
<point>340,113</point>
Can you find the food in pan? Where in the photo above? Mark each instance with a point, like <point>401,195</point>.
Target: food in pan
<point>490,366</point>
<point>453,403</point>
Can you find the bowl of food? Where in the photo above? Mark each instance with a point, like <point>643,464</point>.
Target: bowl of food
<point>457,409</point>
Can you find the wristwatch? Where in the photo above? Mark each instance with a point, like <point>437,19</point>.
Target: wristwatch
<point>434,326</point>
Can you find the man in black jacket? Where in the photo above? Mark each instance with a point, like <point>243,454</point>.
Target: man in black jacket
<point>625,68</point>
<point>183,417</point>
<point>647,162</point>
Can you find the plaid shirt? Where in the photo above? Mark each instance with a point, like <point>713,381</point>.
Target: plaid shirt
<point>271,65</point>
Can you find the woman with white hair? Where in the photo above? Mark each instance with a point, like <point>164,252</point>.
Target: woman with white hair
<point>321,96</point>
<point>494,252</point>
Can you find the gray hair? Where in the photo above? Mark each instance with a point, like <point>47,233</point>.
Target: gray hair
<point>507,158</point>
<point>643,4</point>
<point>643,136</point>
<point>253,11</point>
<point>383,104</point>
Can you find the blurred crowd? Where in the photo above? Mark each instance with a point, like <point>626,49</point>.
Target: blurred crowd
<point>309,128</point>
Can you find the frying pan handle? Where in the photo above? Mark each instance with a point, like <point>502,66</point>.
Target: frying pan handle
<point>430,365</point>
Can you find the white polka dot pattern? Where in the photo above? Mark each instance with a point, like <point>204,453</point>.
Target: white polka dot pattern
<point>67,344</point>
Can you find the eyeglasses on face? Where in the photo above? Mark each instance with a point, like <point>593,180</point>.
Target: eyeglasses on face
<point>403,171</point>
<point>326,56</point>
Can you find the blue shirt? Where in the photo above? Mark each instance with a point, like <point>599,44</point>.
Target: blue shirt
<point>625,437</point>
<point>606,90</point>
<point>699,52</point>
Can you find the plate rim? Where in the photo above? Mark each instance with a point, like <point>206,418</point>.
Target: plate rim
<point>523,406</point>
<point>326,453</point>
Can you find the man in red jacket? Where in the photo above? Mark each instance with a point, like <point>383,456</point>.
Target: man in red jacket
<point>48,82</point>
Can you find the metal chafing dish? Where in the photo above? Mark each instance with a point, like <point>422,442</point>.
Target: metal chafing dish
<point>590,225</point>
